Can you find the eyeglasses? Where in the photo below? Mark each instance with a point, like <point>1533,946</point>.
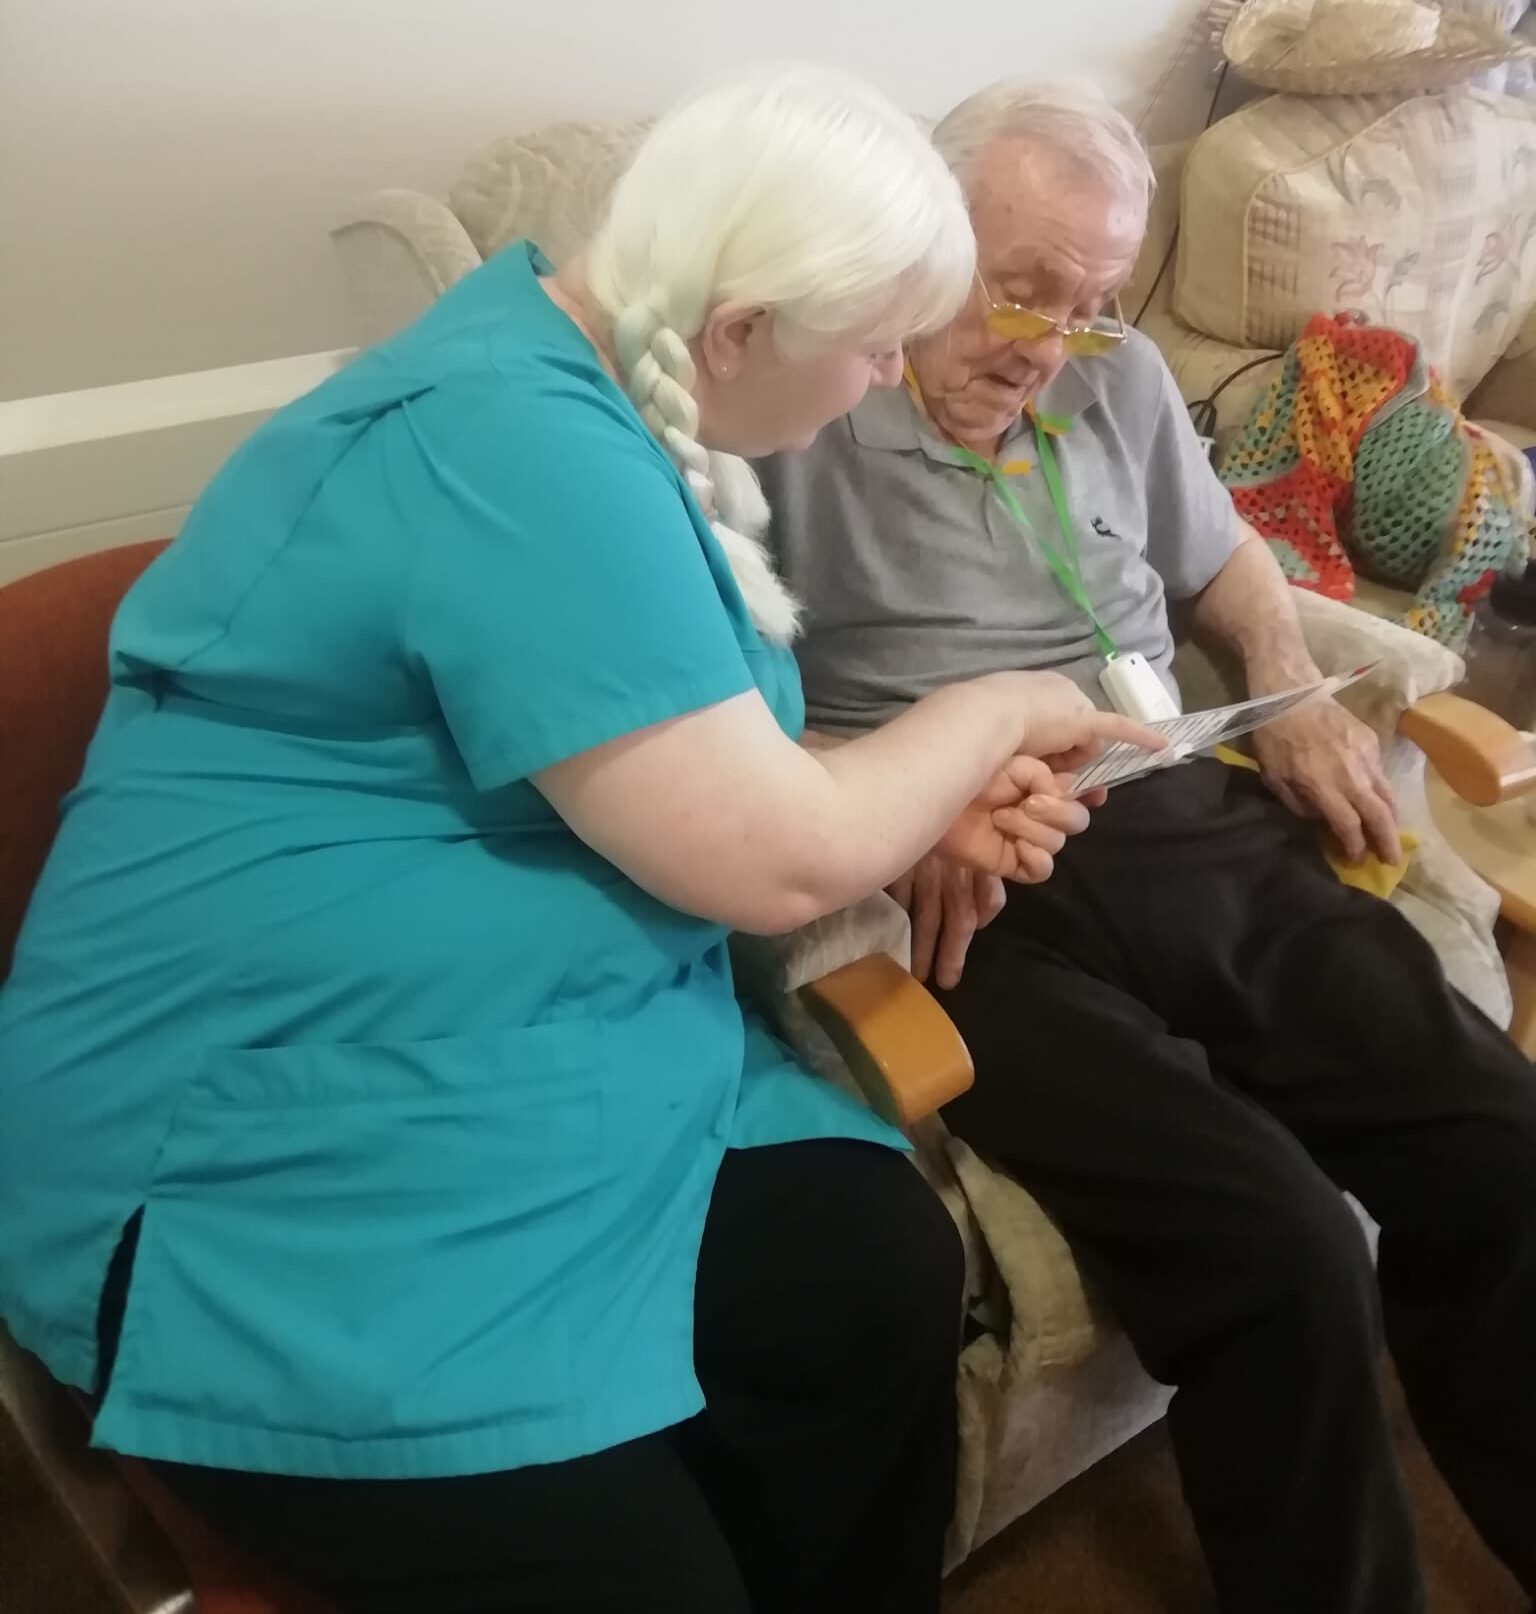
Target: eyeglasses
<point>1016,324</point>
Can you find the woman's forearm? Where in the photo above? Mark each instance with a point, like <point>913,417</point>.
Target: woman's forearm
<point>719,814</point>
<point>900,787</point>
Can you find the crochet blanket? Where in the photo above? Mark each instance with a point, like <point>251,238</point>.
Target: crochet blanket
<point>1357,459</point>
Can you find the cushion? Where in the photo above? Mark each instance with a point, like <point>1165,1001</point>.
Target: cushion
<point>1365,47</point>
<point>1501,13</point>
<point>1417,212</point>
<point>1516,78</point>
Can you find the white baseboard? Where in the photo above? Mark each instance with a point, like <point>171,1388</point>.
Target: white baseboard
<point>90,470</point>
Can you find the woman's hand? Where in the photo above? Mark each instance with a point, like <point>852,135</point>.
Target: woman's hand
<point>1059,724</point>
<point>1015,827</point>
<point>949,895</point>
<point>1022,818</point>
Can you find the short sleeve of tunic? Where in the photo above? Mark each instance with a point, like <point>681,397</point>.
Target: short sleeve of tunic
<point>561,594</point>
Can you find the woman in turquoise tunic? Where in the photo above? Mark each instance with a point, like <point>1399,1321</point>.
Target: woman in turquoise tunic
<point>380,1139</point>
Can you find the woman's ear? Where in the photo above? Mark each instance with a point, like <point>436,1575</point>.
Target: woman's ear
<point>730,332</point>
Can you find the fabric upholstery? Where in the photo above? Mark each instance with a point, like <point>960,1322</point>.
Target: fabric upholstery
<point>776,966</point>
<point>1513,78</point>
<point>1368,203</point>
<point>398,250</point>
<point>1504,400</point>
<point>549,185</point>
<point>1503,13</point>
<point>1199,363</point>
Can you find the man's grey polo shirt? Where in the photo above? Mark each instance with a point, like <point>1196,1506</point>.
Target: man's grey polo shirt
<point>914,575</point>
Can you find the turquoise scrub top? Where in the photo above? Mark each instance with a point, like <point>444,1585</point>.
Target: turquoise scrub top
<point>421,1099</point>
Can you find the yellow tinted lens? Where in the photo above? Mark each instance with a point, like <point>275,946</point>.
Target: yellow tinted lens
<point>1019,324</point>
<point>1092,344</point>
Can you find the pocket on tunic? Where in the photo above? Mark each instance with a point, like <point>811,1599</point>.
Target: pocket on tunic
<point>368,1241</point>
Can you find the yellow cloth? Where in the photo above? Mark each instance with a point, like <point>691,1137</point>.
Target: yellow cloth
<point>1370,874</point>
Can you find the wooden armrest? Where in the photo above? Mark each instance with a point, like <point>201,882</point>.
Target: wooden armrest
<point>900,1046</point>
<point>1481,757</point>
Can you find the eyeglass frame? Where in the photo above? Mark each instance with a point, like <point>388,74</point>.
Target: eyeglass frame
<point>1072,336</point>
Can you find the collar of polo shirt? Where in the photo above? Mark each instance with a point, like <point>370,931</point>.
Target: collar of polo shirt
<point>889,419</point>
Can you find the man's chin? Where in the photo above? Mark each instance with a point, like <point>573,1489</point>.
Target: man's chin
<point>979,423</point>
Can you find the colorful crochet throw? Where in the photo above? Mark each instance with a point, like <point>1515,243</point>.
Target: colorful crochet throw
<point>1357,459</point>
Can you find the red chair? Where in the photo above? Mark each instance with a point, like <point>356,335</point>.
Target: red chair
<point>53,681</point>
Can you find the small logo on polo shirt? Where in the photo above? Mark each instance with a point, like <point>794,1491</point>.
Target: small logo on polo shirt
<point>1103,528</point>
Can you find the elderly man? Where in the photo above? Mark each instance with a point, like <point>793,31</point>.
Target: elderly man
<point>1192,1037</point>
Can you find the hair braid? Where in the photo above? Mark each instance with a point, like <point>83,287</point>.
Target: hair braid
<point>659,376</point>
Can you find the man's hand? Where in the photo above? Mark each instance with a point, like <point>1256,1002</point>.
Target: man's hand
<point>1323,763</point>
<point>1319,761</point>
<point>948,904</point>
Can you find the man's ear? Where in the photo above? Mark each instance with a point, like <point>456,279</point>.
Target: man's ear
<point>731,330</point>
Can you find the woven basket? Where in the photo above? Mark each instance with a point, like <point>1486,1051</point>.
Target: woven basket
<point>1362,47</point>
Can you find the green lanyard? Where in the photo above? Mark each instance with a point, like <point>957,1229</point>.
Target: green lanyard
<point>1065,563</point>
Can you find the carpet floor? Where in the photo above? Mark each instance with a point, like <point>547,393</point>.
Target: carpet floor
<point>1117,1540</point>
<point>1114,1541</point>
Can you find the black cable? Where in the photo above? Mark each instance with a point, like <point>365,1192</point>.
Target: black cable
<point>1203,410</point>
<point>1221,84</point>
<point>1162,268</point>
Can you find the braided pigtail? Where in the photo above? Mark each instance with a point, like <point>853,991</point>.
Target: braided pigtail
<point>659,375</point>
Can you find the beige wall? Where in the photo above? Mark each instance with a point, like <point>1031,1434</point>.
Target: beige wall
<point>168,168</point>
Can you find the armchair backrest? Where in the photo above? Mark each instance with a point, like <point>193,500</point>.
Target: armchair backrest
<point>549,185</point>
<point>398,250</point>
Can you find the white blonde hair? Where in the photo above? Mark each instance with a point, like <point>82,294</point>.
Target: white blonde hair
<point>1071,120</point>
<point>805,192</point>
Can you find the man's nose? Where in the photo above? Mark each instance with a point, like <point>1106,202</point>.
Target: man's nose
<point>1046,353</point>
<point>1046,356</point>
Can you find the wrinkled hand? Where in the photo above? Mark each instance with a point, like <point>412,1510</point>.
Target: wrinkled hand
<point>1022,819</point>
<point>1324,763</point>
<point>948,903</point>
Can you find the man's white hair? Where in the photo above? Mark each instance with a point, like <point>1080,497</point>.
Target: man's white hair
<point>1071,120</point>
<point>801,190</point>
